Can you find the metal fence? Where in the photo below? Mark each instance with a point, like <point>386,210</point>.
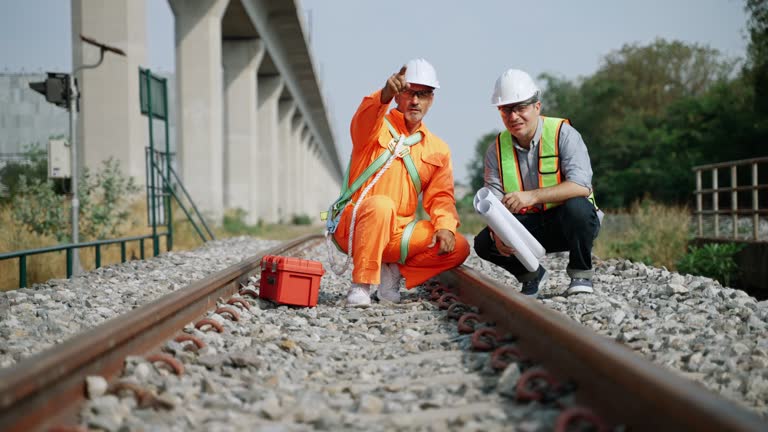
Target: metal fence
<point>741,194</point>
<point>69,248</point>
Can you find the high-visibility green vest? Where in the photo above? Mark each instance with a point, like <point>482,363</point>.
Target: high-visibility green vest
<point>549,159</point>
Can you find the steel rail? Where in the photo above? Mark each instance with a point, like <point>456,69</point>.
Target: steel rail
<point>618,384</point>
<point>46,389</point>
<point>625,389</point>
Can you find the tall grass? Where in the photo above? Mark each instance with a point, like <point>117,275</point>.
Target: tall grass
<point>52,265</point>
<point>648,232</point>
<point>12,238</point>
<point>47,266</point>
<point>652,233</point>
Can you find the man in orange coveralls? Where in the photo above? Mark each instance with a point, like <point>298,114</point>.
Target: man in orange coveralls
<point>388,243</point>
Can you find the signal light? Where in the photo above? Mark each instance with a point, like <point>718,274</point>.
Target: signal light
<point>55,88</point>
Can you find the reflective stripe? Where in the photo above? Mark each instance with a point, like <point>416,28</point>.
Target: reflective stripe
<point>405,240</point>
<point>549,155</point>
<point>510,172</point>
<point>334,211</point>
<point>549,159</point>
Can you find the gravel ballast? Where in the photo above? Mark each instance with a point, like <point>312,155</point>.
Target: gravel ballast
<point>713,335</point>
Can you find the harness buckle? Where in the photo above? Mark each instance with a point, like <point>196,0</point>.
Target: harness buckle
<point>394,145</point>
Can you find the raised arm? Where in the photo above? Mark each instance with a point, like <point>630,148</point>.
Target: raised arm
<point>370,114</point>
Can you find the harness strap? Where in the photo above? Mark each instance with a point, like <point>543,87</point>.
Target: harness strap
<point>398,147</point>
<point>414,173</point>
<point>405,240</point>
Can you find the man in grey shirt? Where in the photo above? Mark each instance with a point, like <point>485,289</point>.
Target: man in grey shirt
<point>539,169</point>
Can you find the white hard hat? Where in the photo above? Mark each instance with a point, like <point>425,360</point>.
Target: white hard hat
<point>513,86</point>
<point>419,71</point>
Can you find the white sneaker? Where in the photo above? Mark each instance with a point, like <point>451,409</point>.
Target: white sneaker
<point>389,289</point>
<point>358,295</point>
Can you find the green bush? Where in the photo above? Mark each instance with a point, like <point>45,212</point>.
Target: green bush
<point>301,219</point>
<point>36,207</point>
<point>103,200</point>
<point>104,204</point>
<point>234,222</point>
<point>714,260</point>
<point>34,169</point>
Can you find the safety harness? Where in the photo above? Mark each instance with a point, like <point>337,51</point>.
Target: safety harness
<point>549,160</point>
<point>399,147</point>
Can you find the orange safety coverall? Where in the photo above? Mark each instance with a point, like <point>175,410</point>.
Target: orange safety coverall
<point>391,204</point>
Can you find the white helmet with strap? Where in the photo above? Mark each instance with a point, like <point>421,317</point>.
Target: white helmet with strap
<point>420,71</point>
<point>513,86</point>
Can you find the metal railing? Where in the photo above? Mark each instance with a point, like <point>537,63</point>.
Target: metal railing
<point>733,210</point>
<point>22,255</point>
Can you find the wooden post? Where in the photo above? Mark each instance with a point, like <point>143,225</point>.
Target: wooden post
<point>715,201</point>
<point>755,206</point>
<point>699,207</point>
<point>734,203</point>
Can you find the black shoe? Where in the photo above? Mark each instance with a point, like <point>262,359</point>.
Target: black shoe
<point>579,285</point>
<point>531,288</point>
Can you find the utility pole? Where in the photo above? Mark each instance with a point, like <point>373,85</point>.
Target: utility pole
<point>73,108</point>
<point>61,90</point>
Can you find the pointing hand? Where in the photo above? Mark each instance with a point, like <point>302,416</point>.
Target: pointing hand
<point>394,85</point>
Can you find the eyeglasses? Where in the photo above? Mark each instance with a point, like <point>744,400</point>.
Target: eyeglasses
<point>420,94</point>
<point>517,109</point>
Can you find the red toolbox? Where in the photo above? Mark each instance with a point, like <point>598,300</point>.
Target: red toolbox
<point>292,281</point>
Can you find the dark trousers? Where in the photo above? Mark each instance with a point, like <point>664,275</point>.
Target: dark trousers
<point>572,227</point>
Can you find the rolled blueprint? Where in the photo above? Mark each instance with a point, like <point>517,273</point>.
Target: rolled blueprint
<point>536,248</point>
<point>504,224</point>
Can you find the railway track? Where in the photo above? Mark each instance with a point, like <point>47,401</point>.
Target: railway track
<point>461,353</point>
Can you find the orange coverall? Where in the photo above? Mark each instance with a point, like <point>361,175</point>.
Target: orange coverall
<point>391,204</point>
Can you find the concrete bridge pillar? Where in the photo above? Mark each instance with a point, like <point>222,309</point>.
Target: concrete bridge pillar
<point>328,189</point>
<point>241,156</point>
<point>270,167</point>
<point>110,123</point>
<point>200,98</point>
<point>305,175</point>
<point>314,172</point>
<point>287,155</point>
<point>297,126</point>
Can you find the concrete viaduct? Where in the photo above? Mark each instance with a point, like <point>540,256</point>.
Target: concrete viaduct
<point>251,126</point>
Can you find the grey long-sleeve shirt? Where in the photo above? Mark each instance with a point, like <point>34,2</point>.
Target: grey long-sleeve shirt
<point>574,161</point>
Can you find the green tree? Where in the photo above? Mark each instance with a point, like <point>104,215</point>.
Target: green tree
<point>755,69</point>
<point>560,97</point>
<point>630,114</point>
<point>475,167</point>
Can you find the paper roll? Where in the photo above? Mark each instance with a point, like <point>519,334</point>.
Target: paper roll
<point>504,224</point>
<point>536,248</point>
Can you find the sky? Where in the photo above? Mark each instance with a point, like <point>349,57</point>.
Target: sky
<point>357,44</point>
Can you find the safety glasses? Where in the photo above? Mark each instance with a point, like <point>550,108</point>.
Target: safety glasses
<point>518,109</point>
<point>420,94</point>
